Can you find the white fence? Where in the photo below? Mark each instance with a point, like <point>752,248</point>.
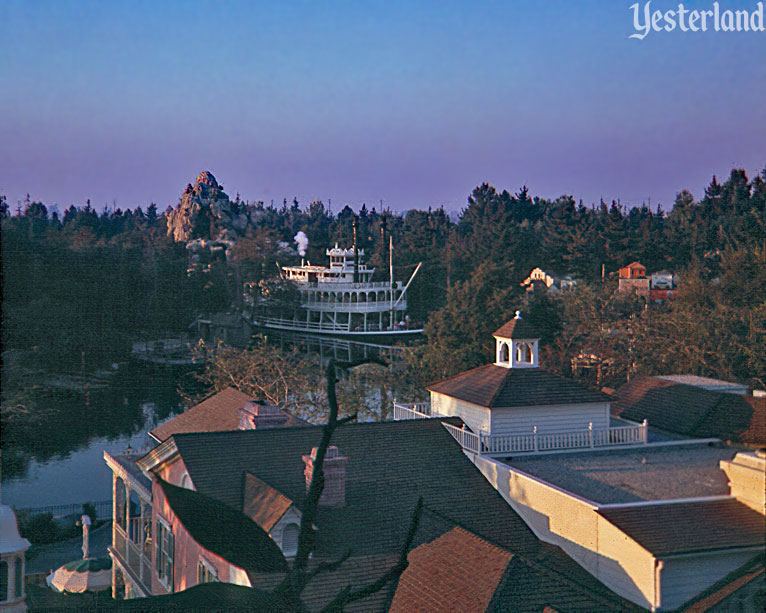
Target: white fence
<point>494,445</point>
<point>416,410</point>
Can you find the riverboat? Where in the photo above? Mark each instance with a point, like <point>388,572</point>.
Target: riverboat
<point>340,299</point>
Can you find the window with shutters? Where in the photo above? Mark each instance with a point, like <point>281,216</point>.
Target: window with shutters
<point>290,535</point>
<point>164,549</point>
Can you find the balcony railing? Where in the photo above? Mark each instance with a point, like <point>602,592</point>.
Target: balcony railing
<point>416,410</point>
<point>134,552</point>
<point>535,442</point>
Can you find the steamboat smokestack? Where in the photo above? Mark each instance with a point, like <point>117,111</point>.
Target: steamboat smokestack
<point>356,252</point>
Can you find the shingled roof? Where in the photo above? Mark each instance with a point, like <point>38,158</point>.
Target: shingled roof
<point>494,386</point>
<point>217,413</point>
<point>518,327</point>
<point>263,504</point>
<point>390,465</point>
<point>690,527</point>
<point>690,410</point>
<point>461,572</point>
<point>457,572</point>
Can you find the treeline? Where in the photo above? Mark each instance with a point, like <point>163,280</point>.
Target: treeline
<point>79,286</point>
<point>76,290</point>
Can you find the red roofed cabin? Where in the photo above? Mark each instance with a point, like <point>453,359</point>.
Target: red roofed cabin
<point>633,279</point>
<point>633,271</point>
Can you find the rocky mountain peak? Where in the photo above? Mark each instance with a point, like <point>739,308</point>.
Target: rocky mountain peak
<point>205,212</point>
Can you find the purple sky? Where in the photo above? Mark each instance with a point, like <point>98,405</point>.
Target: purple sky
<point>414,103</point>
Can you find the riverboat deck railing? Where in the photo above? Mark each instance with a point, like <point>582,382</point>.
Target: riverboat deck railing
<point>532,443</point>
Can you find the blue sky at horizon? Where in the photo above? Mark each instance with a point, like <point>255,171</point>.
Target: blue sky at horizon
<point>412,103</point>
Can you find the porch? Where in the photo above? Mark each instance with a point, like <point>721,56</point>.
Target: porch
<point>533,443</point>
<point>131,548</point>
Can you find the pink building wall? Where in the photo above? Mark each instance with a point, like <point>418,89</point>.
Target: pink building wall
<point>187,550</point>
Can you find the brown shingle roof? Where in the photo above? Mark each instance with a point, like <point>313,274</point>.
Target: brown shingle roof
<point>263,504</point>
<point>517,328</point>
<point>461,572</point>
<point>496,386</point>
<point>691,410</point>
<point>218,413</point>
<point>690,527</point>
<point>456,572</point>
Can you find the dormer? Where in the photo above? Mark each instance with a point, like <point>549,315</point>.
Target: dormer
<point>516,344</point>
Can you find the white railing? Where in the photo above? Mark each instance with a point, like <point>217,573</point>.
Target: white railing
<point>353,307</point>
<point>561,441</point>
<point>302,325</point>
<point>535,442</point>
<point>332,286</point>
<point>467,439</point>
<point>416,410</point>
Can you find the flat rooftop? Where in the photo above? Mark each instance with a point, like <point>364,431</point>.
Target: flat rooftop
<point>703,382</point>
<point>633,475</point>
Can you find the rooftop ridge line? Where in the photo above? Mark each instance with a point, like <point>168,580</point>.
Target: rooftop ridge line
<point>667,502</point>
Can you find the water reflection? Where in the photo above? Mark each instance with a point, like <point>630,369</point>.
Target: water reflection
<point>53,455</point>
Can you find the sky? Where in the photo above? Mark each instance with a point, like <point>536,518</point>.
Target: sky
<point>411,103</point>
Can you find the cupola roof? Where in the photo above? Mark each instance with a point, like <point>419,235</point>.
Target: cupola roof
<point>517,328</point>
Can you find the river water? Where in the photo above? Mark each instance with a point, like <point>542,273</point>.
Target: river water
<point>59,459</point>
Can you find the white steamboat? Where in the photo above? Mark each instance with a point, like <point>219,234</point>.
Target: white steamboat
<point>342,300</point>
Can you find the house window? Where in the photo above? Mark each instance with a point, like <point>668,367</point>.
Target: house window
<point>3,581</point>
<point>206,572</point>
<point>186,482</point>
<point>524,353</point>
<point>504,353</point>
<point>164,550</point>
<point>290,535</point>
<point>19,576</point>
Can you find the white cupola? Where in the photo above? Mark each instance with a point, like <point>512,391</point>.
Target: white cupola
<point>516,344</point>
<point>12,562</point>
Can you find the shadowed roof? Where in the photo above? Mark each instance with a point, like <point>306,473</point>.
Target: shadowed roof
<point>690,410</point>
<point>383,480</point>
<point>495,386</point>
<point>390,465</point>
<point>690,527</point>
<point>517,328</point>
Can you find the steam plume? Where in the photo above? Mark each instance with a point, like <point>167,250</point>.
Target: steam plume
<point>302,241</point>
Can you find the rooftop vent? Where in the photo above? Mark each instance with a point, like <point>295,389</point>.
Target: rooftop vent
<point>259,414</point>
<point>334,492</point>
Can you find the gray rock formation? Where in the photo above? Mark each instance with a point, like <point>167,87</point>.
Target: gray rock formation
<point>205,212</point>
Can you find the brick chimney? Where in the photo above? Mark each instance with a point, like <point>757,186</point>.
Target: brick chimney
<point>334,492</point>
<point>259,414</point>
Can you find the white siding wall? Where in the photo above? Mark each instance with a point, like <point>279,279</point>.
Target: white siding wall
<point>552,418</point>
<point>683,578</point>
<point>476,417</point>
<point>572,523</point>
